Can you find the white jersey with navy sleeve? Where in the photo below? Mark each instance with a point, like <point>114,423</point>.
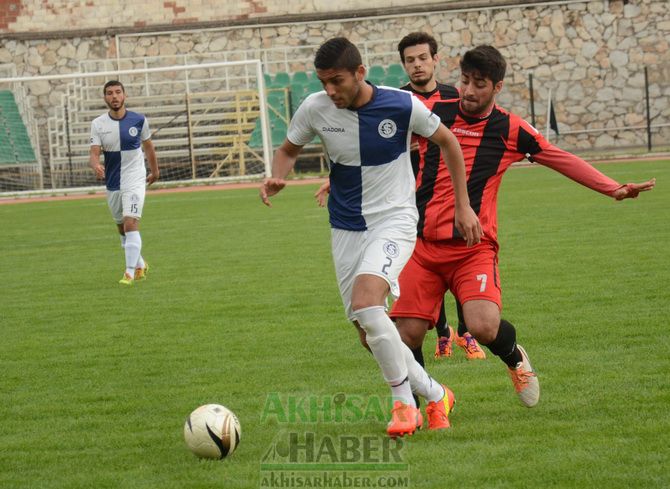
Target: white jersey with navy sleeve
<point>121,143</point>
<point>371,175</point>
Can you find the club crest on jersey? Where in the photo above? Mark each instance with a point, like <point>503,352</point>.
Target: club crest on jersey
<point>391,249</point>
<point>387,128</point>
<point>132,131</point>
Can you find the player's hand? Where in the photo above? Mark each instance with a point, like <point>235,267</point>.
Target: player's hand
<point>152,177</point>
<point>321,195</point>
<point>270,187</point>
<point>632,190</point>
<point>99,172</point>
<point>414,145</point>
<point>468,225</point>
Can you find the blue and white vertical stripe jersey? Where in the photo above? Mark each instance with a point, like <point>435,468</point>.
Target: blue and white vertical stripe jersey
<point>121,143</point>
<point>371,175</point>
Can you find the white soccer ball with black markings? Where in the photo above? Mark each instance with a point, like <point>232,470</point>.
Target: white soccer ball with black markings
<point>212,431</point>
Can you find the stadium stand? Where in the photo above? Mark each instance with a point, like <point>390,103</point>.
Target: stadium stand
<point>195,148</point>
<point>15,145</point>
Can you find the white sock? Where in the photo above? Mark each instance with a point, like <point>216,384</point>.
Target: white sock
<point>133,251</point>
<point>403,392</point>
<point>140,262</point>
<point>422,383</point>
<point>386,346</point>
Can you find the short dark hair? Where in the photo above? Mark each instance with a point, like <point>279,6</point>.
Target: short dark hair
<point>415,38</point>
<point>338,53</point>
<point>113,83</point>
<point>486,61</point>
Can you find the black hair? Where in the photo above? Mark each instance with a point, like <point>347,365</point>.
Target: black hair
<point>414,39</point>
<point>486,61</point>
<point>113,83</point>
<point>338,53</point>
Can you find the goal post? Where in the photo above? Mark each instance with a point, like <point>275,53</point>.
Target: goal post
<point>209,123</point>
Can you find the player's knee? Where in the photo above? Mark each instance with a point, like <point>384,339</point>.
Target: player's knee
<point>130,224</point>
<point>484,329</point>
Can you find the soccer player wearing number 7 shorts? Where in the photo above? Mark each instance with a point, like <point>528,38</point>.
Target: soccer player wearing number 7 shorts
<point>491,140</point>
<point>121,135</point>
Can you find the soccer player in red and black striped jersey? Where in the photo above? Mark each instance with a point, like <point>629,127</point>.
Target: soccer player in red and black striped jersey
<point>418,54</point>
<point>491,139</point>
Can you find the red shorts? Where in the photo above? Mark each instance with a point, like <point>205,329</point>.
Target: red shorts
<point>438,266</point>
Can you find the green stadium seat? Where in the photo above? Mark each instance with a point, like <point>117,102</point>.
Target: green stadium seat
<point>281,80</point>
<point>276,123</point>
<point>278,136</point>
<point>6,158</point>
<point>300,77</point>
<point>395,69</point>
<point>256,139</point>
<point>277,108</point>
<point>15,145</point>
<point>6,97</point>
<point>25,155</point>
<point>314,86</point>
<point>376,74</point>
<point>298,89</point>
<point>298,92</point>
<point>392,81</point>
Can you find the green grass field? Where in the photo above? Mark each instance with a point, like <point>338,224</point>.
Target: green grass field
<point>241,305</point>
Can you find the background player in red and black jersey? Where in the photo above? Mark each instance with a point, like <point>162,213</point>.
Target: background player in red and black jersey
<point>491,140</point>
<point>418,54</point>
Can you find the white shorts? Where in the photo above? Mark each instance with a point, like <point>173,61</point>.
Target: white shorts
<point>126,203</point>
<point>383,251</point>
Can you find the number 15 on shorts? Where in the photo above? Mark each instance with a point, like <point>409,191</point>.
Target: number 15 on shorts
<point>482,277</point>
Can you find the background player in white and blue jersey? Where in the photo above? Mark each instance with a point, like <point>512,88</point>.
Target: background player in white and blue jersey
<point>121,135</point>
<point>366,131</point>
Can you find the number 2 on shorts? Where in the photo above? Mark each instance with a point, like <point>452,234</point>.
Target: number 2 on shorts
<point>482,278</point>
<point>386,265</point>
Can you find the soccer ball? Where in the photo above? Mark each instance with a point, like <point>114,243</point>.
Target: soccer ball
<point>212,431</point>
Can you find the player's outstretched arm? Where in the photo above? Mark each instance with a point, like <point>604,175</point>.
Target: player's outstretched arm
<point>282,164</point>
<point>632,190</point>
<point>573,167</point>
<point>465,218</point>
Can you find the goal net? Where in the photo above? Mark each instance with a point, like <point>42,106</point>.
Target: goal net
<point>208,123</point>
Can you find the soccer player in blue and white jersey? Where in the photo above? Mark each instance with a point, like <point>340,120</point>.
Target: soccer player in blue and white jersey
<point>122,136</point>
<point>366,131</point>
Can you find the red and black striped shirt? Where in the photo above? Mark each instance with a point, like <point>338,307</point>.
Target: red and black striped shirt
<point>441,92</point>
<point>490,145</point>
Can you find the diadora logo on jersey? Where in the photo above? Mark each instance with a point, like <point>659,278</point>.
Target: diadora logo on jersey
<point>332,129</point>
<point>132,131</point>
<point>465,132</point>
<point>391,249</point>
<point>387,128</point>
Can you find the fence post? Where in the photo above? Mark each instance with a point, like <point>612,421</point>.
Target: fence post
<point>646,94</point>
<point>69,144</point>
<point>189,128</point>
<point>532,100</point>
